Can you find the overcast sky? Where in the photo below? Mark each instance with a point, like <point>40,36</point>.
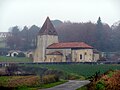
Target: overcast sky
<point>34,12</point>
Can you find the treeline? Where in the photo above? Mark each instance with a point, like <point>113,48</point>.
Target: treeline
<point>100,35</point>
<point>24,39</point>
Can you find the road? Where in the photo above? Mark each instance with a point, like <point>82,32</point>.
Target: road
<point>71,85</point>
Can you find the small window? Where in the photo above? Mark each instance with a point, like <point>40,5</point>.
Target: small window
<point>80,56</point>
<point>85,53</point>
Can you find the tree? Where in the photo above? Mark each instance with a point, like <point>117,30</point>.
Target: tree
<point>25,38</point>
<point>14,41</point>
<point>100,35</point>
<point>33,32</point>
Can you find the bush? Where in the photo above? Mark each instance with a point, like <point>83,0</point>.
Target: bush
<point>100,85</point>
<point>74,76</point>
<point>50,79</point>
<point>11,69</point>
<point>21,54</point>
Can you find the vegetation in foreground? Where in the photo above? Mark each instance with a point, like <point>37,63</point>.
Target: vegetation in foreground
<point>107,81</point>
<point>28,82</point>
<point>47,75</point>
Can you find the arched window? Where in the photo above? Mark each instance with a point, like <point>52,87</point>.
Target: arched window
<point>80,56</point>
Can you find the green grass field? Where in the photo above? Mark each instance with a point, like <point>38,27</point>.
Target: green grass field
<point>14,59</point>
<point>85,70</point>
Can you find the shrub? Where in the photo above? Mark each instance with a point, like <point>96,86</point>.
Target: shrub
<point>21,54</point>
<point>11,69</point>
<point>74,76</point>
<point>100,85</point>
<point>50,79</point>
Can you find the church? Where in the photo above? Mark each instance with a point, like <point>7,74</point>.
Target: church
<point>49,49</point>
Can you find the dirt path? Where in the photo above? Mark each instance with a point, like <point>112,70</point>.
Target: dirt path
<point>71,85</point>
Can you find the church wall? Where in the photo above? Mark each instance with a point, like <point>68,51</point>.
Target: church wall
<point>53,58</point>
<point>65,52</point>
<point>82,55</point>
<point>43,42</point>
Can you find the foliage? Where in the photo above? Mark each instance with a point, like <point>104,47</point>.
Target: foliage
<point>21,54</point>
<point>110,74</point>
<point>11,69</point>
<point>99,35</point>
<point>19,81</point>
<point>24,83</point>
<point>22,40</point>
<point>96,34</point>
<point>75,76</point>
<point>50,79</point>
<point>108,81</point>
<point>100,85</point>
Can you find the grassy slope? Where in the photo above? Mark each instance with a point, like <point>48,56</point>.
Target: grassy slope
<point>79,69</point>
<point>14,59</point>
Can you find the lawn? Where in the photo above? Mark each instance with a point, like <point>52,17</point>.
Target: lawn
<point>85,70</point>
<point>14,59</point>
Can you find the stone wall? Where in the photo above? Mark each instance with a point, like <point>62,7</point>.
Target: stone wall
<point>82,55</point>
<point>42,43</point>
<point>53,58</point>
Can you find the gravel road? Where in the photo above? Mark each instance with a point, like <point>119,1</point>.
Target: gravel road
<point>70,85</point>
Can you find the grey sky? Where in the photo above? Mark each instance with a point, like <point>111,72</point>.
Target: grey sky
<point>30,12</point>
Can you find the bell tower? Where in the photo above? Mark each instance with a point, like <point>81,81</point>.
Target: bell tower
<point>46,36</point>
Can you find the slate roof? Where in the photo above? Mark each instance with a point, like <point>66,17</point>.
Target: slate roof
<point>47,28</point>
<point>69,45</point>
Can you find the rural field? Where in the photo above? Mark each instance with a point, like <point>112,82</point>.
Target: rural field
<point>14,59</point>
<point>85,70</point>
<point>49,71</point>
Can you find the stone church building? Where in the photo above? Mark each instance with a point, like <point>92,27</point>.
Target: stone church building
<point>49,49</point>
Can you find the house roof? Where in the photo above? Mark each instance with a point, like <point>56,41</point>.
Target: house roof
<point>47,28</point>
<point>96,51</point>
<point>69,45</point>
<point>55,53</point>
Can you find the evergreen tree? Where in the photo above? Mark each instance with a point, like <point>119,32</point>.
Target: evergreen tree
<point>100,35</point>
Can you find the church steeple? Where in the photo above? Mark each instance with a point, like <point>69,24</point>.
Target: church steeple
<point>48,28</point>
<point>46,36</point>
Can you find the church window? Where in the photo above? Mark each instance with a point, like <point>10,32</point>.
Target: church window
<point>80,56</point>
<point>85,53</point>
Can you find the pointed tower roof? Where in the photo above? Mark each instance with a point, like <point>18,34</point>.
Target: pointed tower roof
<point>47,28</point>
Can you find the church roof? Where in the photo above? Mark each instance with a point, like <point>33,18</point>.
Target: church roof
<point>47,28</point>
<point>55,53</point>
<point>69,45</point>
